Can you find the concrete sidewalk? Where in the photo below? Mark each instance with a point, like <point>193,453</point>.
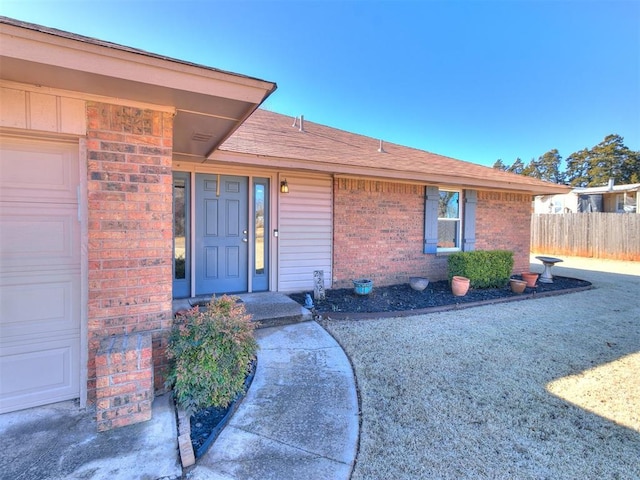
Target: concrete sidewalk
<point>299,418</point>
<point>60,441</point>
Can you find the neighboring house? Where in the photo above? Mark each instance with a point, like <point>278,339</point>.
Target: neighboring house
<point>608,198</point>
<point>129,179</point>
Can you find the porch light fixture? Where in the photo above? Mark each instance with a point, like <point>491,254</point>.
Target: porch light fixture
<point>284,186</point>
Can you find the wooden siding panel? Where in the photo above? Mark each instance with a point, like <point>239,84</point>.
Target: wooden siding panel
<point>306,232</point>
<point>42,111</point>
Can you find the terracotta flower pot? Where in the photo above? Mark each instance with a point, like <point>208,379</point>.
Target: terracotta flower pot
<point>531,278</point>
<point>517,286</point>
<point>460,286</point>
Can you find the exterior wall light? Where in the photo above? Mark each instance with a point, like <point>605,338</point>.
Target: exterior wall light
<point>284,186</point>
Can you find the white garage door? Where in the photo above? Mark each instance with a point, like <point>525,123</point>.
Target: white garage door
<point>39,273</point>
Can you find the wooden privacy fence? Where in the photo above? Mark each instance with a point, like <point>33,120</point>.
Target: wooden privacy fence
<point>598,235</point>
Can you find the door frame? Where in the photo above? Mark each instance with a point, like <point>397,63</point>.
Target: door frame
<point>272,177</point>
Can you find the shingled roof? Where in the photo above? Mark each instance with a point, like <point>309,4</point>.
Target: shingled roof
<point>271,139</point>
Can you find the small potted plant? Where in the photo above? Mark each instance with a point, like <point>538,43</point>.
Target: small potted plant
<point>531,278</point>
<point>363,286</point>
<point>460,285</point>
<point>517,286</point>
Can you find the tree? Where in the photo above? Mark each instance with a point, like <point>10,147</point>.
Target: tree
<point>499,165</point>
<point>630,168</point>
<point>531,169</point>
<point>548,167</point>
<point>577,172</point>
<point>610,159</point>
<point>516,167</point>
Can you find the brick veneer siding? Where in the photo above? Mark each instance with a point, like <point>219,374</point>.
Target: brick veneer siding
<point>503,222</point>
<point>124,379</point>
<point>130,228</point>
<point>379,231</point>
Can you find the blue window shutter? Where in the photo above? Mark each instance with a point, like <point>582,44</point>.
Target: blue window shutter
<point>469,221</point>
<point>431,198</point>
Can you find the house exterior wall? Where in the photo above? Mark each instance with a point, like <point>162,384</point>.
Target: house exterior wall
<point>379,233</point>
<point>305,232</point>
<point>503,222</point>
<point>46,112</point>
<point>129,229</point>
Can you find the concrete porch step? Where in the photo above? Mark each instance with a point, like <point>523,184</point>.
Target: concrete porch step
<point>270,309</point>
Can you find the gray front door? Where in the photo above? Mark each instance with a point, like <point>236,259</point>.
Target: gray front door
<point>221,234</point>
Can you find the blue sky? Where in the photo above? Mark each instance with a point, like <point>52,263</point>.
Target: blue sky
<point>474,80</point>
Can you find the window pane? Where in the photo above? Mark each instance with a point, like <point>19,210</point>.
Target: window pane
<point>179,228</point>
<point>448,206</point>
<point>259,253</point>
<point>448,233</point>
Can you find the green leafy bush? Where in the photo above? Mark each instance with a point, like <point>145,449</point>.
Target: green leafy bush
<point>210,353</point>
<point>485,268</point>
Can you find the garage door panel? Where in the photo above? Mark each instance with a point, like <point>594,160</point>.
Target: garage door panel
<point>42,373</point>
<point>46,236</point>
<point>48,174</point>
<point>39,273</point>
<point>39,307</point>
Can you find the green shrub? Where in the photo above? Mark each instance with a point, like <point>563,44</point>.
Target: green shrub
<point>210,353</point>
<point>485,268</point>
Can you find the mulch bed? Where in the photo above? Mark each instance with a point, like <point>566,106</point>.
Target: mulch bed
<point>207,423</point>
<point>403,300</point>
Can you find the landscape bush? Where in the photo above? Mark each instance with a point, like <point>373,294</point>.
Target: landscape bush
<point>485,268</point>
<point>210,353</point>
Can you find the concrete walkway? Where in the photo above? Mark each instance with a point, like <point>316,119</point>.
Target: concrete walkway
<point>60,441</point>
<point>299,418</point>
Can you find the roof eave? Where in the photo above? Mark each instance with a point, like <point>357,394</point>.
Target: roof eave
<point>345,170</point>
<point>207,100</point>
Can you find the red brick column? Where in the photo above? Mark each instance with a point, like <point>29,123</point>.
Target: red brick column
<point>130,228</point>
<point>124,381</point>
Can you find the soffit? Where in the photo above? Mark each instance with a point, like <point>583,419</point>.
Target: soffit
<point>209,103</point>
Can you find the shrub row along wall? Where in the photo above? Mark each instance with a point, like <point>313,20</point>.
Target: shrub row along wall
<point>596,234</point>
<point>379,231</point>
<point>130,228</point>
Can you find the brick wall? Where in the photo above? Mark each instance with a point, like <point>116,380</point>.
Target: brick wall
<point>124,379</point>
<point>379,231</point>
<point>503,222</point>
<point>130,228</point>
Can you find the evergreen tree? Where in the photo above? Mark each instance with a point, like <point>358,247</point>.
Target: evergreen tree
<point>516,167</point>
<point>577,173</point>
<point>606,159</point>
<point>548,166</point>
<point>531,169</point>
<point>592,167</point>
<point>499,165</point>
<point>611,158</point>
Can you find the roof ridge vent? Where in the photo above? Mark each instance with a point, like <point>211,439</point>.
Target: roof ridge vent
<point>381,148</point>
<point>295,121</point>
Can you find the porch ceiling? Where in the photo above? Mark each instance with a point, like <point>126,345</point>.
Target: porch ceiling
<point>209,104</point>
